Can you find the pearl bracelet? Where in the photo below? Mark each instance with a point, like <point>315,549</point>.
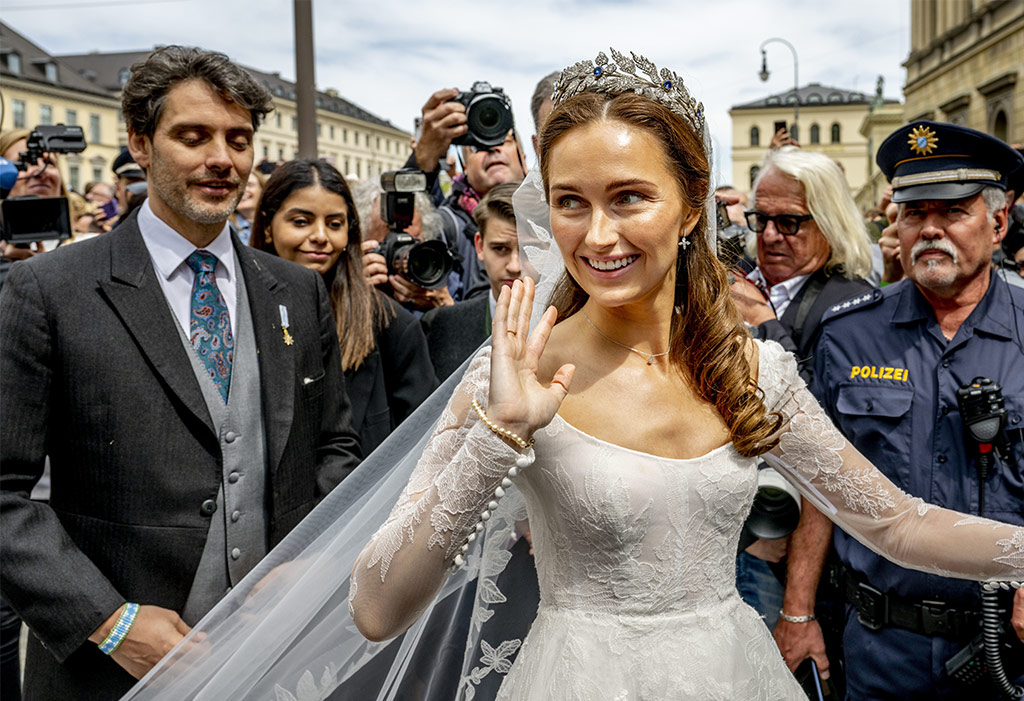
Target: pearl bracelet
<point>503,432</point>
<point>994,586</point>
<point>120,629</point>
<point>797,619</point>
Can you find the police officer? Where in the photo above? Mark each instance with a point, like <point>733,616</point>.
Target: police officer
<point>887,369</point>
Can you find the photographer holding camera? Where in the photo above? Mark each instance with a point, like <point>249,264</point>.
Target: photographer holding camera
<point>480,121</point>
<point>38,179</point>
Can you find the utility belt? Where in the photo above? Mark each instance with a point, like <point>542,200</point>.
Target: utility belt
<point>877,609</point>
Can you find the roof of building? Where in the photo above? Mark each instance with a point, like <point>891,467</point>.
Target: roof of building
<point>813,94</point>
<point>110,70</point>
<point>33,62</point>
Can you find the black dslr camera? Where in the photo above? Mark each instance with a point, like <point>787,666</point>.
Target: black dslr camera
<point>426,263</point>
<point>488,116</point>
<point>30,218</point>
<point>731,238</point>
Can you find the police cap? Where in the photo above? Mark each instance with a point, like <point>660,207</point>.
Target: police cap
<point>124,166</point>
<point>938,161</point>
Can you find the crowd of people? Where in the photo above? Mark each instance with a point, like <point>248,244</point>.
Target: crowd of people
<point>221,348</point>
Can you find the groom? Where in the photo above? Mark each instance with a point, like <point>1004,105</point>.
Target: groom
<point>186,389</point>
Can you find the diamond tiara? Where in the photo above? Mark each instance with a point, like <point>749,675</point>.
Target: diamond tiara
<point>630,75</point>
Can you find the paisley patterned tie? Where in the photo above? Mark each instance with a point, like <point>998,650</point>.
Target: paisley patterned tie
<point>210,324</point>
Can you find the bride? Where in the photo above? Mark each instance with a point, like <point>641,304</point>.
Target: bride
<point>630,418</point>
<point>625,425</point>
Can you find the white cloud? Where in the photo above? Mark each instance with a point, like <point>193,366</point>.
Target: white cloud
<point>389,55</point>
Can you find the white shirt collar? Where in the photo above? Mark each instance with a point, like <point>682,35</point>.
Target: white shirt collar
<point>169,249</point>
<point>781,293</point>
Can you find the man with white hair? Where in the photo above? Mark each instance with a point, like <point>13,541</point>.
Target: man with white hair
<point>812,253</point>
<point>813,250</point>
<point>889,367</point>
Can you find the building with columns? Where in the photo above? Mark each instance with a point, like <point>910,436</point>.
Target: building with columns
<point>965,65</point>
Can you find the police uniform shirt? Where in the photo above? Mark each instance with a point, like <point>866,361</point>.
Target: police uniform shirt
<point>888,378</point>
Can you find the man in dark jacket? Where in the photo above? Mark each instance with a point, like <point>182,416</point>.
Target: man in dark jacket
<point>186,389</point>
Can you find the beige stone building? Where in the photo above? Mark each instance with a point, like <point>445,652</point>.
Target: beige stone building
<point>966,65</point>
<point>38,88</point>
<point>830,122</point>
<point>355,141</point>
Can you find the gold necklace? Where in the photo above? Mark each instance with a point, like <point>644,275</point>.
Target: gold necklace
<point>650,356</point>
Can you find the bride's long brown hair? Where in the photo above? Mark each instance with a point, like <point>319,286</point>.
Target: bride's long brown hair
<point>709,344</point>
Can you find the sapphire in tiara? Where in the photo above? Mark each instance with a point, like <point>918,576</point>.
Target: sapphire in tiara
<point>598,70</point>
<point>667,85</point>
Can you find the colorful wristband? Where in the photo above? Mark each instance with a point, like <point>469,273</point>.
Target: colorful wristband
<point>120,629</point>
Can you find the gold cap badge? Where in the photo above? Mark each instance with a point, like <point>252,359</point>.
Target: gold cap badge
<point>922,140</point>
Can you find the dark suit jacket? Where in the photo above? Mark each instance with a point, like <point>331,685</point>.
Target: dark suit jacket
<point>833,289</point>
<point>453,333</point>
<point>94,375</point>
<point>393,380</point>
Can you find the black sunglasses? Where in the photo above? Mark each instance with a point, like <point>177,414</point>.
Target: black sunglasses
<point>786,224</point>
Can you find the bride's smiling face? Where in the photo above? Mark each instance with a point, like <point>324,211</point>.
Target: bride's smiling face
<point>616,212</point>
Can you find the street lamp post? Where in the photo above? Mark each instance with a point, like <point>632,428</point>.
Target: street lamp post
<point>796,72</point>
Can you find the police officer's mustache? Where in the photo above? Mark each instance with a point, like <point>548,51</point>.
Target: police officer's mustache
<point>937,245</point>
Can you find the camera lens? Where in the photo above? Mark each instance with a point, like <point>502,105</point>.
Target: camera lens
<point>489,120</point>
<point>428,264</point>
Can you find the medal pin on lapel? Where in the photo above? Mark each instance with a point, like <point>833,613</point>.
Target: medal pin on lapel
<point>288,340</point>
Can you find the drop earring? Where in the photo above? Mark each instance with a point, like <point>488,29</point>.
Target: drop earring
<point>684,242</point>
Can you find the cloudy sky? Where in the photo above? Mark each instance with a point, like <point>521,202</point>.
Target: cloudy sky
<point>389,55</point>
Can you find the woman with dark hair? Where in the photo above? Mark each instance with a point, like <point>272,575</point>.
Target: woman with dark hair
<point>306,215</point>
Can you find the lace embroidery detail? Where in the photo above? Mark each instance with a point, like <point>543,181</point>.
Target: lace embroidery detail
<point>1014,545</point>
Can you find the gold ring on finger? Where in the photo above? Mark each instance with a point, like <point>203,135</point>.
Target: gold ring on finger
<point>511,331</point>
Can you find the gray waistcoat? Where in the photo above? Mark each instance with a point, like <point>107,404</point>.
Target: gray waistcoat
<point>237,539</point>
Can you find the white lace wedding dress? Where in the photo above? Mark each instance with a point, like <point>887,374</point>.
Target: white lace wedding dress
<point>636,553</point>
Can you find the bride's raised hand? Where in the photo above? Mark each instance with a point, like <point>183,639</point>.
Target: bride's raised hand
<point>518,401</point>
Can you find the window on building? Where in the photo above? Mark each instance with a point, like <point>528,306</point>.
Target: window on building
<point>1000,126</point>
<point>18,110</point>
<point>71,117</point>
<point>332,132</point>
<point>754,170</point>
<point>97,173</point>
<point>344,135</point>
<point>378,143</point>
<point>123,75</point>
<point>95,134</point>
<point>794,131</point>
<point>815,134</point>
<point>73,177</point>
<point>836,133</point>
<point>348,169</point>
<point>280,154</point>
<point>755,136</point>
<point>277,119</point>
<point>359,168</point>
<point>295,123</point>
<point>14,63</point>
<point>50,70</point>
<point>45,114</point>
<point>319,129</point>
<point>266,152</point>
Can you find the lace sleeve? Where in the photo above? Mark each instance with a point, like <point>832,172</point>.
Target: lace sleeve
<point>847,488</point>
<point>402,567</point>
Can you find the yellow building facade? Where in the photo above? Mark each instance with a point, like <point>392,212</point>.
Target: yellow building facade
<point>352,139</point>
<point>965,65</point>
<point>829,122</point>
<point>39,89</point>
